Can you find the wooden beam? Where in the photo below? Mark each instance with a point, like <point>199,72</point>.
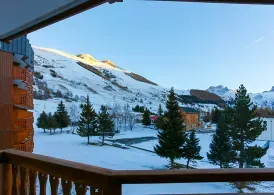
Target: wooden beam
<point>193,175</point>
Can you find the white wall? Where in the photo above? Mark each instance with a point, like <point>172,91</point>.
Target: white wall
<point>269,133</point>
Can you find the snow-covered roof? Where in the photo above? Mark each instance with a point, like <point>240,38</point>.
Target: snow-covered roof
<point>22,17</point>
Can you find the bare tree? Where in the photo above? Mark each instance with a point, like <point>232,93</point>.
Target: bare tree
<point>132,119</point>
<point>74,115</point>
<point>116,113</point>
<point>126,112</point>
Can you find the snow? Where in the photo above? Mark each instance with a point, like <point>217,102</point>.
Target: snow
<point>72,147</point>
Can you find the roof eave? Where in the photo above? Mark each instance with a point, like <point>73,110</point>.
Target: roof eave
<point>56,18</point>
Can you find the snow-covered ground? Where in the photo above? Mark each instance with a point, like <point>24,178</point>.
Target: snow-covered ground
<point>73,147</point>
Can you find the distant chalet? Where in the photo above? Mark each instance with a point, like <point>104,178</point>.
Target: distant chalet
<point>191,118</point>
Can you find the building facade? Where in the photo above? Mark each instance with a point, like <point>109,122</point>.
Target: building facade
<point>191,118</point>
<point>16,100</point>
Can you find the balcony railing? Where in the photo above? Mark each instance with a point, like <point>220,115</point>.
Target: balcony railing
<point>22,74</point>
<point>23,124</point>
<point>64,174</point>
<point>19,73</point>
<point>24,100</point>
<point>27,146</point>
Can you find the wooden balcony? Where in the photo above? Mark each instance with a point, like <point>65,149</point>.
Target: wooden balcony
<point>23,124</point>
<point>64,174</point>
<point>23,100</point>
<point>22,74</point>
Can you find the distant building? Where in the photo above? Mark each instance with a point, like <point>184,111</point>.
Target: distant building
<point>191,118</point>
<point>153,118</point>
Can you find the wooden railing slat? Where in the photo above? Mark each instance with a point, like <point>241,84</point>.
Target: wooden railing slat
<point>80,189</point>
<point>32,182</point>
<point>14,180</point>
<point>23,173</point>
<point>66,187</point>
<point>54,182</point>
<point>43,183</point>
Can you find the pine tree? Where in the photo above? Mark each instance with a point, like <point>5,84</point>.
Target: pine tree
<point>105,123</point>
<point>62,116</point>
<point>191,149</point>
<point>215,115</point>
<point>160,111</point>
<point>172,137</point>
<point>220,150</point>
<point>42,121</point>
<point>160,120</point>
<point>51,123</point>
<point>146,118</point>
<point>245,128</point>
<point>87,124</point>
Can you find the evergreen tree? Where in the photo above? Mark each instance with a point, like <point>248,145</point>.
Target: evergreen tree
<point>245,128</point>
<point>146,118</point>
<point>51,123</point>
<point>160,111</point>
<point>172,137</point>
<point>220,150</point>
<point>191,149</point>
<point>87,124</point>
<point>62,116</point>
<point>136,108</point>
<point>215,115</point>
<point>105,123</point>
<point>42,121</point>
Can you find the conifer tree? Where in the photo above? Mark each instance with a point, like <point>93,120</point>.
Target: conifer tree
<point>146,119</point>
<point>51,123</point>
<point>42,121</point>
<point>171,137</point>
<point>191,149</point>
<point>245,128</point>
<point>87,124</point>
<point>215,115</point>
<point>220,149</point>
<point>105,123</point>
<point>160,120</point>
<point>160,111</point>
<point>62,116</point>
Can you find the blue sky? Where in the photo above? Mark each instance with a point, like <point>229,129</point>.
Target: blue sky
<point>185,45</point>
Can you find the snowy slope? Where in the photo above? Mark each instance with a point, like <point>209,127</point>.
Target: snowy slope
<point>111,85</point>
<point>264,99</point>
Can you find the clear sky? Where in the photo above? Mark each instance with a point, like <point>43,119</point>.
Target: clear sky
<point>185,45</point>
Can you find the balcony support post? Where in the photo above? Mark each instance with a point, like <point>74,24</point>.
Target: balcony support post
<point>5,179</point>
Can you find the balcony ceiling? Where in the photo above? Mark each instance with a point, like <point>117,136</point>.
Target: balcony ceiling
<point>18,17</point>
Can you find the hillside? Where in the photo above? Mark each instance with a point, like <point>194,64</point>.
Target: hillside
<point>62,75</point>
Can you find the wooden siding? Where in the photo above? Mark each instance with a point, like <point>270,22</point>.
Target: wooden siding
<point>6,81</point>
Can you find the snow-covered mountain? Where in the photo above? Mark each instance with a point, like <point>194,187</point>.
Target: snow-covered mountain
<point>222,91</point>
<point>264,99</point>
<point>62,75</point>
